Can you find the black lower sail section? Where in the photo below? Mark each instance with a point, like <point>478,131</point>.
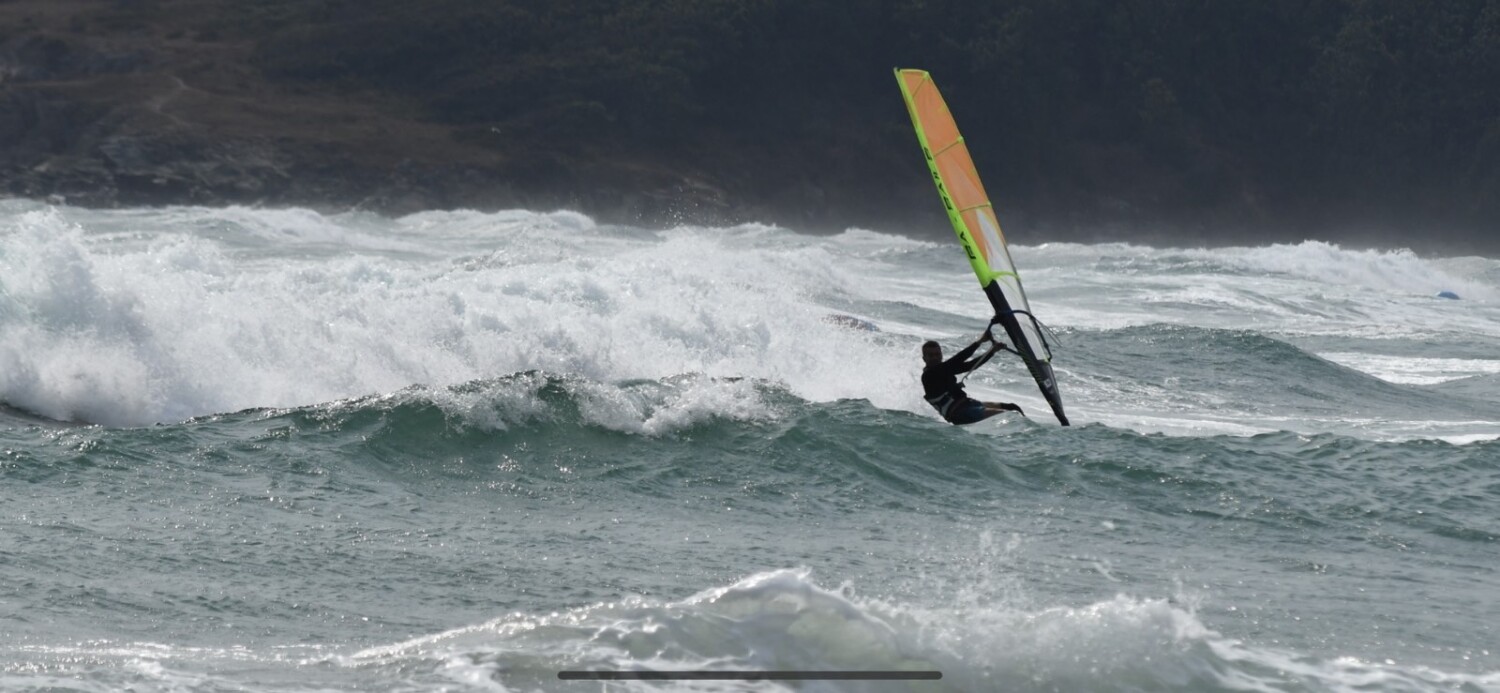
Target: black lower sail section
<point>1040,369</point>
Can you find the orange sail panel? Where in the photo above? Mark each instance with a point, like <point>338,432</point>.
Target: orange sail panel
<point>973,219</point>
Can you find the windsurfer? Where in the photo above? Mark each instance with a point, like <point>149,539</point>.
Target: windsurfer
<point>946,394</point>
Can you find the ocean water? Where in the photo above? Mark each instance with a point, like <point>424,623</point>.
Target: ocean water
<point>273,450</point>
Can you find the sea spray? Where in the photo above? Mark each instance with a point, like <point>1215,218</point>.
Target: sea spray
<point>280,450</point>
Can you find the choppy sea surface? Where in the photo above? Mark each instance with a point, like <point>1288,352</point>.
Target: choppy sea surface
<point>273,450</point>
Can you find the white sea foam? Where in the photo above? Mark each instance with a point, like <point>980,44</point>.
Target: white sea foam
<point>783,620</point>
<point>1414,370</point>
<point>185,324</point>
<point>774,621</point>
<point>139,316</point>
<point>1311,288</point>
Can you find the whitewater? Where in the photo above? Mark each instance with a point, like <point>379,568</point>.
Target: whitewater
<point>249,449</point>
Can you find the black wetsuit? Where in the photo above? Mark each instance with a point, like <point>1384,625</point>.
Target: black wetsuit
<point>940,381</point>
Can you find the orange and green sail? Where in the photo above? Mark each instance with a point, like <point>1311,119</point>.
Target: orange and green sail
<point>973,219</point>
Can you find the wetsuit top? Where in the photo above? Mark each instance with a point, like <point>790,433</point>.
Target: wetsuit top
<point>940,380</point>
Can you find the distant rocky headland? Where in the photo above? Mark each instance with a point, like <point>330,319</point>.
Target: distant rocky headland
<point>1365,121</point>
<point>151,103</point>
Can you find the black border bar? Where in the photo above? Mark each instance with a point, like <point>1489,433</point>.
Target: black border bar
<point>659,675</point>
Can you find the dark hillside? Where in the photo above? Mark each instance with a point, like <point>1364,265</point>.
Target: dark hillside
<point>1364,120</point>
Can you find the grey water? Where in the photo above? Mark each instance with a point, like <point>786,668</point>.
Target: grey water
<point>274,450</point>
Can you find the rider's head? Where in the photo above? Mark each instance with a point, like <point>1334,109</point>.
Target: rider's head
<point>931,352</point>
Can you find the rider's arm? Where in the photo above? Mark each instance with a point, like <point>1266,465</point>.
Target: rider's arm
<point>956,361</point>
<point>959,363</point>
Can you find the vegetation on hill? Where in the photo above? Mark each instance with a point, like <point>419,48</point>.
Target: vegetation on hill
<point>1276,114</point>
